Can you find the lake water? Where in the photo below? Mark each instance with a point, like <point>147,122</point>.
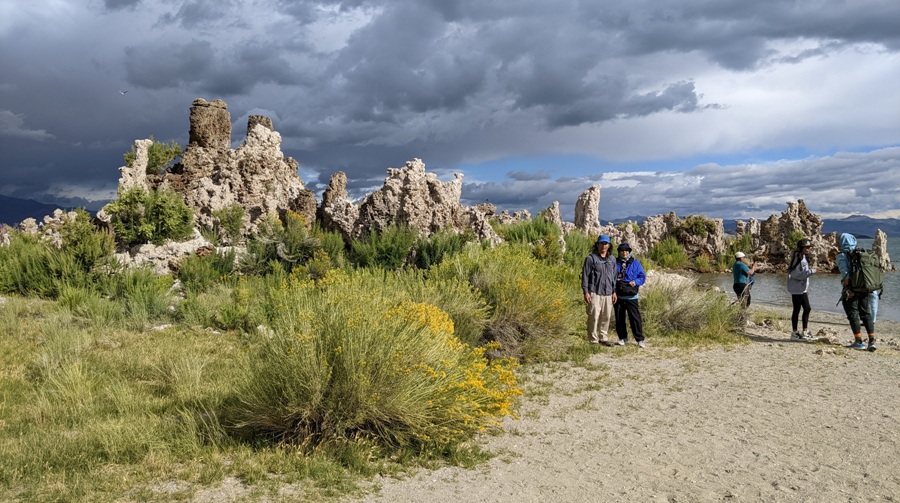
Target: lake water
<point>824,289</point>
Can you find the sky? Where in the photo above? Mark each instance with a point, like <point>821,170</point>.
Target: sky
<point>725,108</point>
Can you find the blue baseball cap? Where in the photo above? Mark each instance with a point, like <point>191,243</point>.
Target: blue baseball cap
<point>603,238</point>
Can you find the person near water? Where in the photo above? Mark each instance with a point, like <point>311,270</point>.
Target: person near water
<point>798,286</point>
<point>629,278</point>
<point>856,305</point>
<point>742,277</point>
<point>598,278</point>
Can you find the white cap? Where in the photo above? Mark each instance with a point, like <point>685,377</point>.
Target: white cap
<point>739,255</point>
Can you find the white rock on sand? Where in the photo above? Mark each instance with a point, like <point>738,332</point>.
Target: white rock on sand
<point>774,420</point>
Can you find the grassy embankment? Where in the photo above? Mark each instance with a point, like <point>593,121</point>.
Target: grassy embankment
<point>301,364</point>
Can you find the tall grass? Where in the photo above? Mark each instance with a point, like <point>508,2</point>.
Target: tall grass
<point>389,248</point>
<point>534,304</point>
<point>674,308</point>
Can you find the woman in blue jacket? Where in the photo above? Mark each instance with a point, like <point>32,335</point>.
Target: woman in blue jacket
<point>629,277</point>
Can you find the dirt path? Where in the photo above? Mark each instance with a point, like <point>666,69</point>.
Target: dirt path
<point>774,420</point>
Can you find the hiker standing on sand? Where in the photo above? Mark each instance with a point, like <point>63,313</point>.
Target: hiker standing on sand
<point>629,278</point>
<point>798,285</point>
<point>856,305</point>
<point>598,277</point>
<point>742,274</point>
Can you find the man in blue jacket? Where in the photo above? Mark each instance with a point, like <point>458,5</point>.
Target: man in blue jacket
<point>598,277</point>
<point>629,278</point>
<point>856,304</point>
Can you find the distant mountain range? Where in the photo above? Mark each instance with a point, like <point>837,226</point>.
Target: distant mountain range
<point>13,210</point>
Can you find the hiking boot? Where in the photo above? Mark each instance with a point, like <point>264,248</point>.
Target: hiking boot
<point>621,342</point>
<point>872,346</point>
<point>642,344</point>
<point>857,344</point>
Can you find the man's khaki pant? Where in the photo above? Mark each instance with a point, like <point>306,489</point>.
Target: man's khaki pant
<point>599,312</point>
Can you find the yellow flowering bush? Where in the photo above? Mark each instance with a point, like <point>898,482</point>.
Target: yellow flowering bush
<point>346,362</point>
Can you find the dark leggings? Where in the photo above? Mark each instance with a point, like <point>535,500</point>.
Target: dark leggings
<point>739,290</point>
<point>800,301</point>
<point>629,308</point>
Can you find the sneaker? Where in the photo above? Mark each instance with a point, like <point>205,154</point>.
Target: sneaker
<point>872,346</point>
<point>642,344</point>
<point>857,344</point>
<point>621,342</point>
<point>808,335</point>
<point>801,336</point>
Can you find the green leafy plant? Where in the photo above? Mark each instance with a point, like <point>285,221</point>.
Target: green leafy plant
<point>669,254</point>
<point>160,156</point>
<point>230,222</point>
<point>388,248</point>
<point>154,217</point>
<point>432,250</point>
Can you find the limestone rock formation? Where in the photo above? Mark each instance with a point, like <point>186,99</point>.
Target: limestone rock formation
<point>337,212</point>
<point>879,247</point>
<point>587,211</point>
<point>211,176</point>
<point>415,197</point>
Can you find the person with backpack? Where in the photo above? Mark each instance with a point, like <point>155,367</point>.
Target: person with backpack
<point>743,277</point>
<point>855,291</point>
<point>798,285</point>
<point>598,279</point>
<point>629,278</point>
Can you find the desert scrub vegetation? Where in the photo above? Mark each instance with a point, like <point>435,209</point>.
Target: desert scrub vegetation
<point>140,216</point>
<point>534,304</point>
<point>295,364</point>
<point>340,365</point>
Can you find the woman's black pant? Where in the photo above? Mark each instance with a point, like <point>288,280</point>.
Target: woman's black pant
<point>800,301</point>
<point>739,290</point>
<point>628,307</point>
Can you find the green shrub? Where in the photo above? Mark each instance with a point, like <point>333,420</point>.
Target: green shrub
<point>290,244</point>
<point>345,366</point>
<point>160,156</point>
<point>578,246</point>
<point>534,304</point>
<point>793,238</point>
<point>388,248</point>
<point>141,217</point>
<point>143,294</point>
<point>696,225</point>
<point>432,250</point>
<point>87,244</point>
<point>539,233</point>
<point>675,307</point>
<point>197,274</point>
<point>230,222</point>
<point>669,254</point>
<point>734,245</point>
<point>466,306</point>
<point>24,267</point>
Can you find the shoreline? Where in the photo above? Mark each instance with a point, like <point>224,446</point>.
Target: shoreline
<point>771,420</point>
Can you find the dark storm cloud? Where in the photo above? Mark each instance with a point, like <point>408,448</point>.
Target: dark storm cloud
<point>169,65</point>
<point>120,4</point>
<point>363,85</point>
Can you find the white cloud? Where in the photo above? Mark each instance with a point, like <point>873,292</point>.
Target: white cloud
<point>13,126</point>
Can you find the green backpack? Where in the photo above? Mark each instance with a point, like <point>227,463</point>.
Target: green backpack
<point>865,271</point>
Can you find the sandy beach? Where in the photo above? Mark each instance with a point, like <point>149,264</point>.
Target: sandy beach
<point>772,420</point>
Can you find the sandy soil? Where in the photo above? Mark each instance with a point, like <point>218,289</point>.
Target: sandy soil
<point>773,420</point>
